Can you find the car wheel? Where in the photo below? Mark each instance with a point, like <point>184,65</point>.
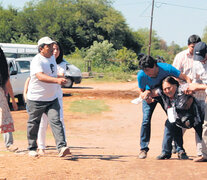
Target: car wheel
<point>21,100</point>
<point>69,83</point>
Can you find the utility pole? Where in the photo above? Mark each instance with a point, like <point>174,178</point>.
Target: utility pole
<point>150,34</point>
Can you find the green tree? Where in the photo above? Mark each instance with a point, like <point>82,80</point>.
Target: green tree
<point>204,38</point>
<point>7,24</point>
<point>26,25</point>
<point>101,54</point>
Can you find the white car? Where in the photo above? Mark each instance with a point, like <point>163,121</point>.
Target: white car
<point>73,75</point>
<point>19,70</point>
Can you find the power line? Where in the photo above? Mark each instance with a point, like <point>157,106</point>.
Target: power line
<point>132,3</point>
<point>141,14</point>
<point>158,4</point>
<point>189,7</point>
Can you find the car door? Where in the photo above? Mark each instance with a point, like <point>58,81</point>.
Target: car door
<point>18,79</point>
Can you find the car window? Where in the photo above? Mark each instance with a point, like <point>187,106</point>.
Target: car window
<point>11,67</point>
<point>23,66</point>
<point>11,55</point>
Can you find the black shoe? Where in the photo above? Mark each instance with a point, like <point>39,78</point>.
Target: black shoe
<point>182,155</point>
<point>164,156</point>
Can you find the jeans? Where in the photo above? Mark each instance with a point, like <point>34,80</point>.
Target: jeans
<point>52,110</point>
<point>172,132</point>
<point>147,110</point>
<point>8,139</point>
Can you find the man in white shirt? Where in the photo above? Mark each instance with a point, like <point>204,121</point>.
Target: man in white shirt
<point>184,59</point>
<point>42,97</point>
<point>200,86</point>
<point>184,62</point>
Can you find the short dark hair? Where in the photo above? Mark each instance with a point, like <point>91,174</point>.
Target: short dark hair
<point>147,62</point>
<point>193,39</point>
<point>140,55</point>
<point>41,46</point>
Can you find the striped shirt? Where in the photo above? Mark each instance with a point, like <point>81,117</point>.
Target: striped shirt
<point>200,76</point>
<point>184,62</point>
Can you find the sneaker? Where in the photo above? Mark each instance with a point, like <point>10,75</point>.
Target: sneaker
<point>12,148</point>
<point>164,156</point>
<point>33,153</point>
<point>182,155</point>
<point>142,154</point>
<point>41,152</point>
<point>200,159</point>
<point>64,151</point>
<point>174,150</point>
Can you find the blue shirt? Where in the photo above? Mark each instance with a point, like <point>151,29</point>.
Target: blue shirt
<point>145,82</point>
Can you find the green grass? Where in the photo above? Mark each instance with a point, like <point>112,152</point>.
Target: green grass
<point>88,106</point>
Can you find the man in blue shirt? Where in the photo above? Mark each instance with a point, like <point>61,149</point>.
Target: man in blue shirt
<point>150,77</point>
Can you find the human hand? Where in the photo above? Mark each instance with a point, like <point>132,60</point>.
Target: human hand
<point>61,81</point>
<point>145,95</point>
<point>191,88</point>
<point>14,105</point>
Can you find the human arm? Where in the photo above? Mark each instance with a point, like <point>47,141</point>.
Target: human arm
<point>11,94</point>
<point>61,69</point>
<point>196,87</point>
<point>26,84</point>
<point>185,78</point>
<point>48,79</point>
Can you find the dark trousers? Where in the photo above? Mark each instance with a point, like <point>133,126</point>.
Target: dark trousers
<point>172,132</point>
<point>35,110</point>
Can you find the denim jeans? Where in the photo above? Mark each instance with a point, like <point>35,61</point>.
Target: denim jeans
<point>147,110</point>
<point>172,132</point>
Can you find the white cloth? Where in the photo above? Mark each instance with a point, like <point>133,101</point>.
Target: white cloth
<point>61,69</point>
<point>39,90</point>
<point>184,62</point>
<point>200,76</point>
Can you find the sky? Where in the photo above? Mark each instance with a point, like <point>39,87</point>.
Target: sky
<point>173,20</point>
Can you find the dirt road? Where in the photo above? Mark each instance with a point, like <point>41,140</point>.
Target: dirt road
<point>104,146</point>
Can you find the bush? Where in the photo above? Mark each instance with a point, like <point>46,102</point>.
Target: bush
<point>127,59</point>
<point>100,54</point>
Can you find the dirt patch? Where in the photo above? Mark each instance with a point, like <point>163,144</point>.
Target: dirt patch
<point>103,146</point>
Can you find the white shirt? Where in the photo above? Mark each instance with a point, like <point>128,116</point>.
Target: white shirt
<point>61,69</point>
<point>184,62</point>
<point>200,76</point>
<point>39,90</point>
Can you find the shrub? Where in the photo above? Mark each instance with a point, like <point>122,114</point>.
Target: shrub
<point>100,54</point>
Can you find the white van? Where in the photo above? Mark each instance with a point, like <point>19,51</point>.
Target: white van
<point>19,50</point>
